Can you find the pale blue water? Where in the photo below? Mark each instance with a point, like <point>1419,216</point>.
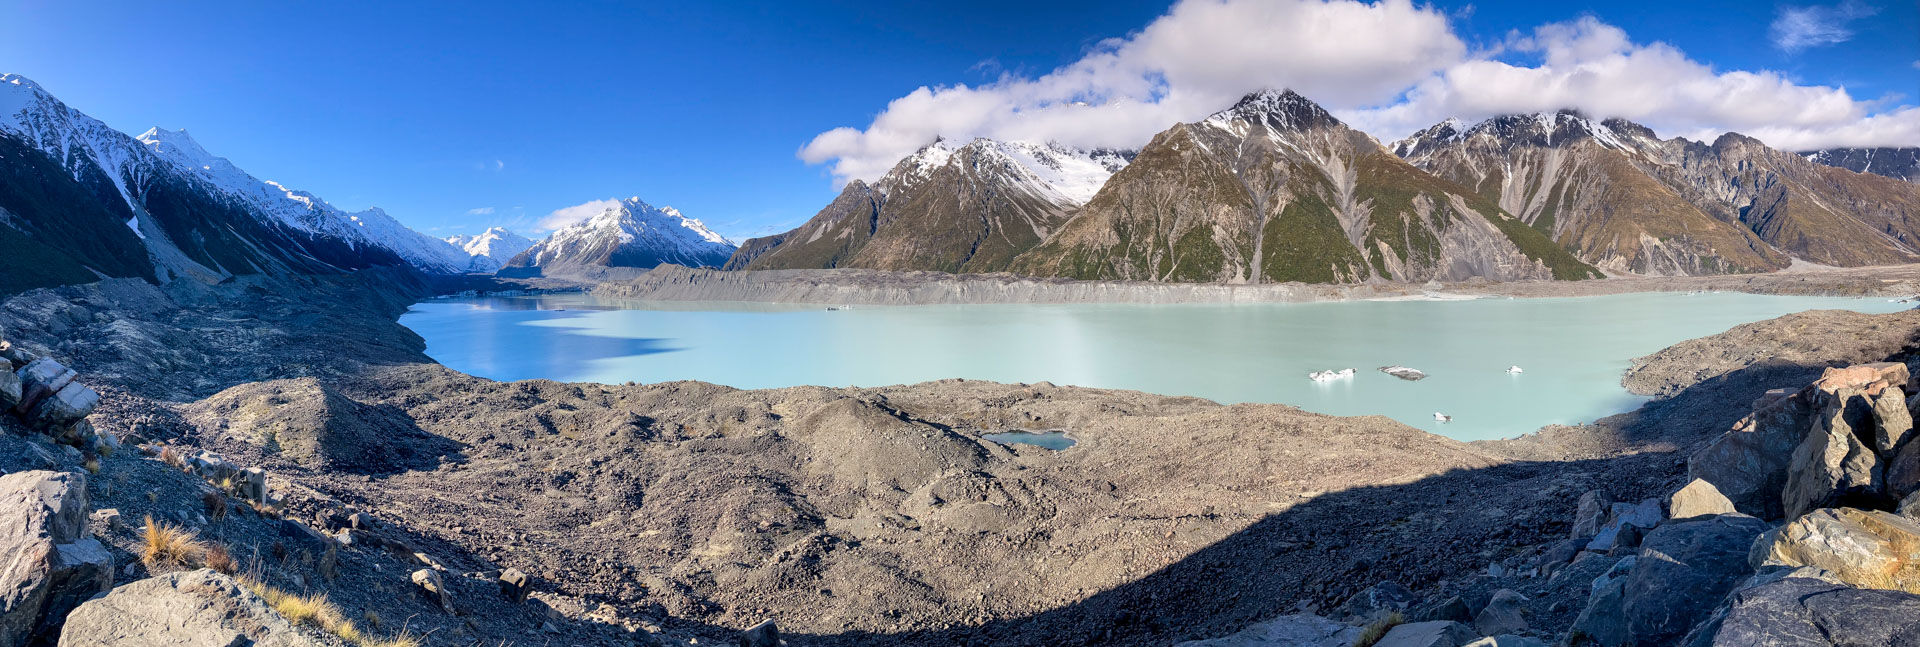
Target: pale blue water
<point>1573,350</point>
<point>1054,440</point>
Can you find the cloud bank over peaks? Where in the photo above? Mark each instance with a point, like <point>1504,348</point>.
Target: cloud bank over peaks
<point>1388,68</point>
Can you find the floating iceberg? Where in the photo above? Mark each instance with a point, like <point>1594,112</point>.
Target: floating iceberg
<point>1442,417</point>
<point>1514,369</point>
<point>1328,376</point>
<point>1404,373</point>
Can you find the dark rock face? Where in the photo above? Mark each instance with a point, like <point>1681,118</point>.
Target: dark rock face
<point>1683,570</point>
<point>1802,612</point>
<point>52,564</point>
<point>1896,163</point>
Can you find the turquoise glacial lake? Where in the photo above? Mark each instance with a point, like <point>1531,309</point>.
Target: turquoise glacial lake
<point>1572,351</point>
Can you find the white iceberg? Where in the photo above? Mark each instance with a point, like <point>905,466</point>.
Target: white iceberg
<point>1442,417</point>
<point>1330,375</point>
<point>1514,369</point>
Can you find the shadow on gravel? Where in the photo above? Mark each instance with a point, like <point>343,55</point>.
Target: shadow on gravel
<point>1328,548</point>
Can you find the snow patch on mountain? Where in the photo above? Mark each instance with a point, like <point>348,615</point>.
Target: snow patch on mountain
<point>630,233</point>
<point>492,248</point>
<point>1064,175</point>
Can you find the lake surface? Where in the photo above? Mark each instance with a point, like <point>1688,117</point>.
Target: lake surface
<point>1572,350</point>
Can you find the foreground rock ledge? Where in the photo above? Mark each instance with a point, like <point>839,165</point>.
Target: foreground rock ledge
<point>190,609</point>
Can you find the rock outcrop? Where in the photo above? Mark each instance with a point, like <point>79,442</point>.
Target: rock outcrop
<point>1866,548</point>
<point>1683,570</point>
<point>52,563</point>
<point>1808,612</point>
<point>190,609</point>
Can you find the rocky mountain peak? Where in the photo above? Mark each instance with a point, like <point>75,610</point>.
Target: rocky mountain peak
<point>1283,110</point>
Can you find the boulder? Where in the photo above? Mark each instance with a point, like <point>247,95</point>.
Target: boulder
<point>1892,423</point>
<point>1503,615</point>
<point>1591,513</point>
<point>1903,470</point>
<point>1376,602</point>
<point>1698,499</point>
<point>1296,630</point>
<point>46,563</point>
<point>189,609</point>
<point>1428,634</point>
<point>764,634</point>
<point>10,389</point>
<point>1683,570</point>
<point>429,581</point>
<point>253,484</point>
<point>12,356</point>
<point>1748,464</point>
<point>1864,548</point>
<point>515,585</point>
<point>1453,609</point>
<point>64,407</point>
<point>1910,506</point>
<point>1808,612</point>
<point>1645,515</point>
<point>81,570</point>
<point>106,520</point>
<point>1832,467</point>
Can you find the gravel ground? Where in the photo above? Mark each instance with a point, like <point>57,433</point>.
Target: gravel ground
<point>683,511</point>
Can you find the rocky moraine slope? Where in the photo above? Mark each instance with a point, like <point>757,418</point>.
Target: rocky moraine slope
<point>300,436</point>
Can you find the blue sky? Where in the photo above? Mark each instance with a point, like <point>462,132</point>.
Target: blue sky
<point>457,116</point>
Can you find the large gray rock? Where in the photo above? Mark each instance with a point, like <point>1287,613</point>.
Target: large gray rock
<point>765,634</point>
<point>10,389</point>
<point>434,587</point>
<point>1428,634</point>
<point>1698,499</point>
<point>1297,630</point>
<point>1376,602</point>
<point>1903,470</point>
<point>1748,465</point>
<point>1833,466</point>
<point>188,609</point>
<point>1644,515</point>
<point>1503,614</point>
<point>1683,570</point>
<point>1910,506</point>
<point>81,570</point>
<point>1591,513</point>
<point>65,407</point>
<point>1865,548</point>
<point>1892,422</point>
<point>1802,612</point>
<point>45,518</point>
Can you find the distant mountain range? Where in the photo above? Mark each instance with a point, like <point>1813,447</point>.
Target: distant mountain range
<point>1896,163</point>
<point>1275,188</point>
<point>80,201</point>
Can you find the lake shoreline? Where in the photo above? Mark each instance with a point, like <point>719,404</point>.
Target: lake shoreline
<point>873,287</point>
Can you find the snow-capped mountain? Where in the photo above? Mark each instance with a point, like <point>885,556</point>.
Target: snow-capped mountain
<point>1628,201</point>
<point>631,233</point>
<point>1275,188</point>
<point>947,207</point>
<point>303,210</point>
<point>178,210</point>
<point>492,248</point>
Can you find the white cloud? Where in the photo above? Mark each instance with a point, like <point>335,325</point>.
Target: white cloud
<point>1798,28</point>
<point>576,213</point>
<point>480,211</point>
<point>1388,68</point>
<point>1595,67</point>
<point>1198,58</point>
